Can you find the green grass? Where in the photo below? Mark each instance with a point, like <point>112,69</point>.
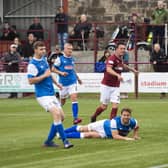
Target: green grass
<point>24,126</point>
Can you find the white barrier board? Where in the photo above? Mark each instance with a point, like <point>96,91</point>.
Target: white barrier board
<point>153,82</point>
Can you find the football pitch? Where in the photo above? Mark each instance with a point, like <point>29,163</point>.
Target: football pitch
<point>24,126</point>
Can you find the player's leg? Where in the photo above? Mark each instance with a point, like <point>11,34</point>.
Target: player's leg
<point>115,99</point>
<point>74,99</point>
<point>104,99</point>
<point>55,111</point>
<point>51,104</point>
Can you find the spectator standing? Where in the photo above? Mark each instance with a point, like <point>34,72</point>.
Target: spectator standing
<point>64,66</point>
<point>81,32</point>
<point>158,58</point>
<point>61,20</point>
<point>11,60</point>
<point>28,50</point>
<point>37,29</point>
<point>109,90</point>
<point>160,17</point>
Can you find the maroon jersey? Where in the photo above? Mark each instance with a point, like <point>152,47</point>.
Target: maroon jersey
<point>117,66</point>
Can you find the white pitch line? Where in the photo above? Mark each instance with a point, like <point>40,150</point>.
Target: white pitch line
<point>160,166</point>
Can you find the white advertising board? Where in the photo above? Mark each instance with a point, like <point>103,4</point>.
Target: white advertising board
<point>153,82</point>
<point>17,82</point>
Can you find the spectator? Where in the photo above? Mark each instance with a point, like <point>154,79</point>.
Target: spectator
<point>125,60</point>
<point>53,55</point>
<point>158,59</point>
<point>160,17</point>
<point>37,29</point>
<point>11,60</point>
<point>6,32</point>
<point>81,32</point>
<point>61,20</point>
<point>18,43</point>
<point>28,50</point>
<point>13,32</point>
<point>100,66</point>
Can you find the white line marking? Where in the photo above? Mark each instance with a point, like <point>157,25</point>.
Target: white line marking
<point>160,166</point>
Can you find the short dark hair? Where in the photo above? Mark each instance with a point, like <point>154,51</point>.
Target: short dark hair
<point>126,109</point>
<point>120,43</point>
<point>38,44</point>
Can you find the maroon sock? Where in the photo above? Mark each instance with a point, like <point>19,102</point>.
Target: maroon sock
<point>113,113</point>
<point>99,110</point>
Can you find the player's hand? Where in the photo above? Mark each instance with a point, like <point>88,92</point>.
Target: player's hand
<point>64,73</point>
<point>79,81</point>
<point>120,78</point>
<point>129,139</point>
<point>137,138</point>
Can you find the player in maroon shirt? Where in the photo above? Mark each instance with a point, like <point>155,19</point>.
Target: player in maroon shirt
<point>109,90</point>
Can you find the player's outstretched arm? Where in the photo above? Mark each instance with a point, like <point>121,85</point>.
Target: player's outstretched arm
<point>116,136</point>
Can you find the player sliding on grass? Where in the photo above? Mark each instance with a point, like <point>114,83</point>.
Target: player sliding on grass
<point>39,74</point>
<point>117,128</point>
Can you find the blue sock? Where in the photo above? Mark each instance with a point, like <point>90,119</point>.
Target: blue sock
<point>71,129</point>
<point>60,130</point>
<point>75,109</point>
<point>52,133</point>
<point>73,135</point>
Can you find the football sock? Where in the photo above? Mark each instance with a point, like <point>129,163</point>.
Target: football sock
<point>99,110</point>
<point>71,129</point>
<point>60,130</point>
<point>73,135</point>
<point>113,113</point>
<point>75,109</point>
<point>52,133</point>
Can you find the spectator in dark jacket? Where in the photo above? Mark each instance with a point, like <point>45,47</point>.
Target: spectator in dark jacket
<point>158,58</point>
<point>11,60</point>
<point>37,29</point>
<point>81,32</point>
<point>61,20</point>
<point>28,50</point>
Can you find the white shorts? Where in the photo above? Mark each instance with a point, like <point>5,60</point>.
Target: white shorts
<point>48,101</point>
<point>97,126</point>
<point>109,94</point>
<point>68,90</point>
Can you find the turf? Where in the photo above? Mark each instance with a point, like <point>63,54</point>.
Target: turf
<point>24,126</point>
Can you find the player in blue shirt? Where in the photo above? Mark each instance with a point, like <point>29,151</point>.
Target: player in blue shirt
<point>39,74</point>
<point>117,128</point>
<point>64,66</point>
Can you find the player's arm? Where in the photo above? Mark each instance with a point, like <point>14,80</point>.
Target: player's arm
<point>112,72</point>
<point>56,83</point>
<point>79,80</point>
<point>54,68</point>
<point>115,135</point>
<point>130,69</point>
<point>32,74</point>
<point>135,133</point>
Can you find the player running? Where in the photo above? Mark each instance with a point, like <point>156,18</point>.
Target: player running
<point>109,90</point>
